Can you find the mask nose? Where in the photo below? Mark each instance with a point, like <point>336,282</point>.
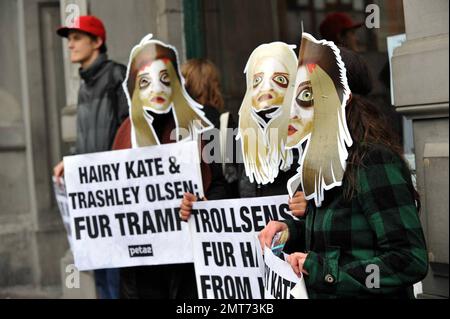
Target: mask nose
<point>156,87</point>
<point>265,85</point>
<point>295,110</point>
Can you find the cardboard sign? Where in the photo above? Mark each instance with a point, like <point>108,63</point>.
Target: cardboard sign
<point>124,205</point>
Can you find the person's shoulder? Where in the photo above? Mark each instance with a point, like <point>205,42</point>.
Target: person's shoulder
<point>119,66</point>
<point>122,139</point>
<point>118,70</point>
<point>379,154</point>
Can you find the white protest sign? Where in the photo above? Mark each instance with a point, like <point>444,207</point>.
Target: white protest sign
<point>124,205</point>
<point>280,280</point>
<point>228,262</point>
<point>61,200</point>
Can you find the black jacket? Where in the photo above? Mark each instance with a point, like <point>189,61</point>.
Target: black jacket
<point>217,189</point>
<point>102,105</point>
<point>278,187</point>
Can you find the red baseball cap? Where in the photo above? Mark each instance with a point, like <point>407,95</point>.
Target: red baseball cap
<point>335,23</point>
<point>88,24</point>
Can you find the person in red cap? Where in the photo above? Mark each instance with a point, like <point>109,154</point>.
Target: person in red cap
<point>87,39</point>
<point>102,107</point>
<point>341,29</point>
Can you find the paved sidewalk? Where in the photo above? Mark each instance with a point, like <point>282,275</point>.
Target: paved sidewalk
<point>29,292</point>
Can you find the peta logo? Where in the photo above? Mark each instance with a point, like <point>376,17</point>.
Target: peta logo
<point>140,250</point>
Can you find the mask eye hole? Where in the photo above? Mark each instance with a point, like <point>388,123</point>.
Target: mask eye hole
<point>305,98</point>
<point>257,79</point>
<point>164,78</point>
<point>281,80</point>
<point>144,82</point>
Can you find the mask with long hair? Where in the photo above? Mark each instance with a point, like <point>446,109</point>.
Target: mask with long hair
<point>264,113</point>
<point>318,118</point>
<point>155,89</point>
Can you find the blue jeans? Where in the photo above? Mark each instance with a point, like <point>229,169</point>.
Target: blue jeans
<point>107,283</point>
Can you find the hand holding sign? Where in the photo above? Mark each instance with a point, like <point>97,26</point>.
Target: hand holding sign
<point>280,282</point>
<point>297,204</point>
<point>228,262</point>
<point>266,235</point>
<point>297,260</point>
<point>58,172</point>
<point>186,205</point>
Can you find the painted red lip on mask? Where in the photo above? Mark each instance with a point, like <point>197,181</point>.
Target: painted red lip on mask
<point>265,97</point>
<point>291,130</point>
<point>158,99</point>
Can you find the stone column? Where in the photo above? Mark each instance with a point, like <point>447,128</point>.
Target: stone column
<point>421,90</point>
<point>85,288</point>
<point>170,26</point>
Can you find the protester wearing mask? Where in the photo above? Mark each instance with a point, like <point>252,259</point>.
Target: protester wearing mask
<point>163,112</point>
<point>364,215</point>
<point>265,110</point>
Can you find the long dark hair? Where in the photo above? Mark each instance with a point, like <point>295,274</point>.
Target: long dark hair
<point>368,127</point>
<point>203,82</point>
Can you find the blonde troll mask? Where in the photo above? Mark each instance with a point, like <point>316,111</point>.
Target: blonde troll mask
<point>318,117</point>
<point>264,113</point>
<point>154,86</point>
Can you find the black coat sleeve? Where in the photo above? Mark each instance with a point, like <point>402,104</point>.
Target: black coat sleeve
<point>217,189</point>
<point>122,110</point>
